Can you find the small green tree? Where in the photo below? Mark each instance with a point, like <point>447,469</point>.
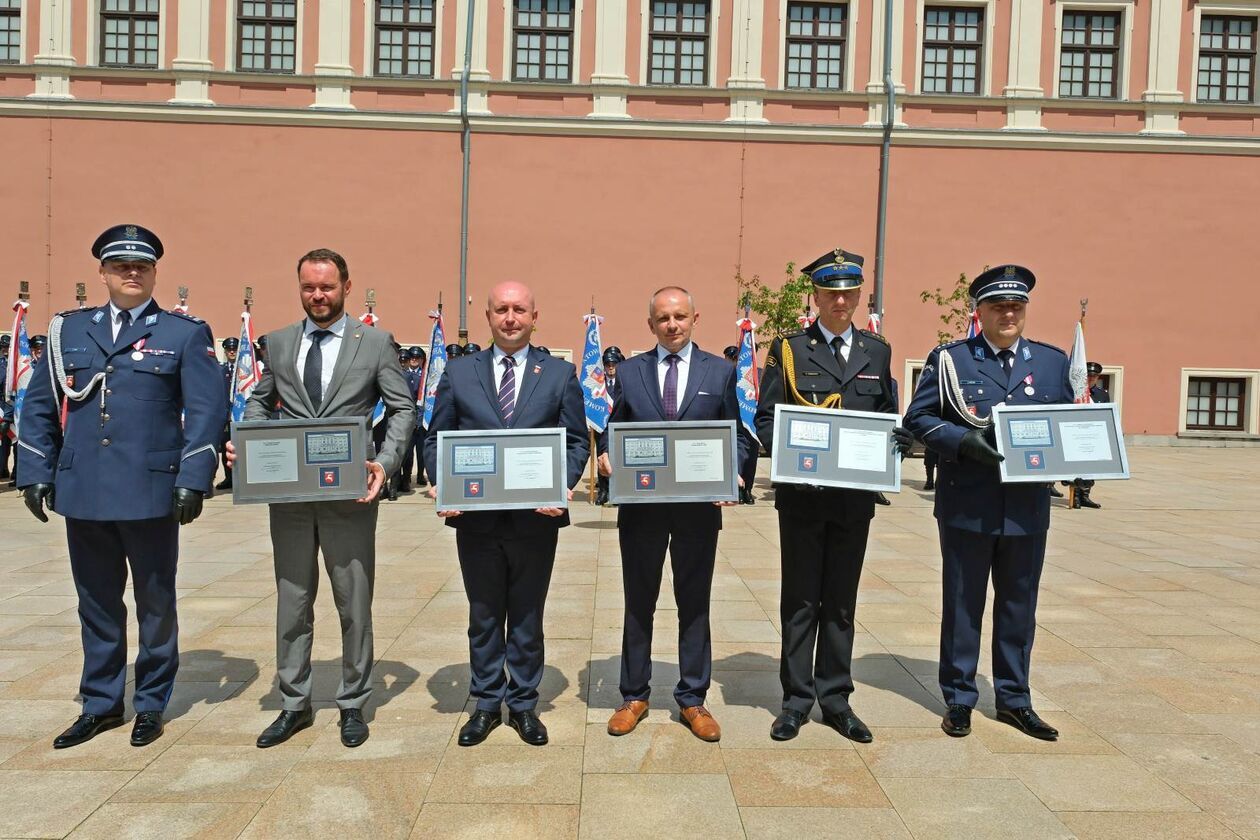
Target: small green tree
<point>776,308</point>
<point>956,306</point>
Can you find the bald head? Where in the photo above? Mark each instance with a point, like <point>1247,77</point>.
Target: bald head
<point>672,316</point>
<point>511,313</point>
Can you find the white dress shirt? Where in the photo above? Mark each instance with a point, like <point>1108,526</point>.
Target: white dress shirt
<point>518,368</point>
<point>1013,348</point>
<point>829,336</point>
<point>684,366</point>
<point>115,315</point>
<point>329,348</point>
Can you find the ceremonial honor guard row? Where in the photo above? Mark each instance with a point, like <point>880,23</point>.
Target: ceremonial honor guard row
<point>131,395</point>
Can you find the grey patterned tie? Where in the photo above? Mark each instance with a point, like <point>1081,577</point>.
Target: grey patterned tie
<point>507,390</point>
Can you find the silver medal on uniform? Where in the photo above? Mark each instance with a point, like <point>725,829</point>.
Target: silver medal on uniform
<point>1029,390</point>
<point>137,356</point>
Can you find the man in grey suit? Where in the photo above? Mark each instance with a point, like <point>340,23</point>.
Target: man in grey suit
<point>506,555</point>
<point>329,365</point>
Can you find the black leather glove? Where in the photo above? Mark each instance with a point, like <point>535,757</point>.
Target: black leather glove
<point>976,447</point>
<point>187,505</point>
<point>902,441</point>
<point>37,497</point>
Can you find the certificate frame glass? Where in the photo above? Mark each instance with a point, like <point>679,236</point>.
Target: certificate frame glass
<point>643,479</point>
<point>488,489</point>
<point>1076,431</point>
<point>300,460</point>
<point>855,467</point>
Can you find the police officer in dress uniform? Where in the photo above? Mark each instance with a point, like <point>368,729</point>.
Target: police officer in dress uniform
<point>230,345</point>
<point>125,472</point>
<point>611,358</point>
<point>1097,394</point>
<point>413,372</point>
<point>473,347</point>
<point>823,530</point>
<point>988,528</point>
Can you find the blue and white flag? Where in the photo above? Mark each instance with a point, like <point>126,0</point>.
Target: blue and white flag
<point>747,379</point>
<point>247,372</point>
<point>595,397</point>
<point>437,365</point>
<point>20,364</point>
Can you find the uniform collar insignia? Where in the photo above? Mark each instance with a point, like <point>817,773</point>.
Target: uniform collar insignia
<point>979,353</point>
<point>96,319</point>
<point>1027,353</point>
<point>150,321</point>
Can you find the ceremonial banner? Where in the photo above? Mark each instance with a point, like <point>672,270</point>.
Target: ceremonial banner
<point>247,372</point>
<point>1077,372</point>
<point>20,363</point>
<point>436,366</point>
<point>595,397</point>
<point>747,379</point>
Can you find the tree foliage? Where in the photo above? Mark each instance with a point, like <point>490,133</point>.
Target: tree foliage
<point>776,308</point>
<point>955,305</point>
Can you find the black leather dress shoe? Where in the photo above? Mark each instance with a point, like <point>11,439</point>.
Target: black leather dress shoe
<point>1054,491</point>
<point>354,730</point>
<point>957,720</point>
<point>86,728</point>
<point>285,727</point>
<point>849,725</point>
<point>881,499</point>
<point>479,727</point>
<point>1027,721</point>
<point>146,728</point>
<point>529,727</point>
<point>787,725</point>
<point>1087,502</point>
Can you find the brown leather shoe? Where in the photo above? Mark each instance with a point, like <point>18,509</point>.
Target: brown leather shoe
<point>627,717</point>
<point>702,724</point>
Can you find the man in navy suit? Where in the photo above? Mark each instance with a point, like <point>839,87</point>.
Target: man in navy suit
<point>146,407</point>
<point>988,528</point>
<point>506,556</point>
<point>677,381</point>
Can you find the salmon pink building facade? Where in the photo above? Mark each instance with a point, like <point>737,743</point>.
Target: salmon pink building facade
<point>1112,146</point>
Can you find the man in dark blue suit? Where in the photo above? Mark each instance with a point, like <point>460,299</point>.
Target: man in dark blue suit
<point>676,381</point>
<point>988,528</point>
<point>506,556</point>
<point>136,457</point>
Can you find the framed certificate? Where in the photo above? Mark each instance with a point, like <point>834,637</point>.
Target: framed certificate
<point>832,447</point>
<point>503,469</point>
<point>1060,442</point>
<point>680,461</point>
<point>300,460</point>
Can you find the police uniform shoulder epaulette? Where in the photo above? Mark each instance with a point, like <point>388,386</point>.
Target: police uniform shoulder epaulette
<point>793,334</point>
<point>954,343</point>
<point>1047,346</point>
<point>183,315</point>
<point>874,335</point>
<point>76,311</point>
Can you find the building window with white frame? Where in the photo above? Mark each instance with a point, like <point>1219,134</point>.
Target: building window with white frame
<point>678,43</point>
<point>404,38</point>
<point>953,45</point>
<point>129,33</point>
<point>1089,55</point>
<point>10,31</point>
<point>542,36</point>
<point>266,36</point>
<point>1227,59</point>
<point>815,45</point>
<point>1215,403</point>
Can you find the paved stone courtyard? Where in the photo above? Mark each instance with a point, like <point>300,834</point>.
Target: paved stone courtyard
<point>1147,660</point>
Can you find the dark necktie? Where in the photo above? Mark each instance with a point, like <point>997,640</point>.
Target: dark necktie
<point>669,396</point>
<point>837,344</point>
<point>313,371</point>
<point>1008,362</point>
<point>124,321</point>
<point>507,390</point>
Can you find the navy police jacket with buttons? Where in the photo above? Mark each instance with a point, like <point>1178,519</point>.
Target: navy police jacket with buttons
<point>971,496</point>
<point>125,447</point>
